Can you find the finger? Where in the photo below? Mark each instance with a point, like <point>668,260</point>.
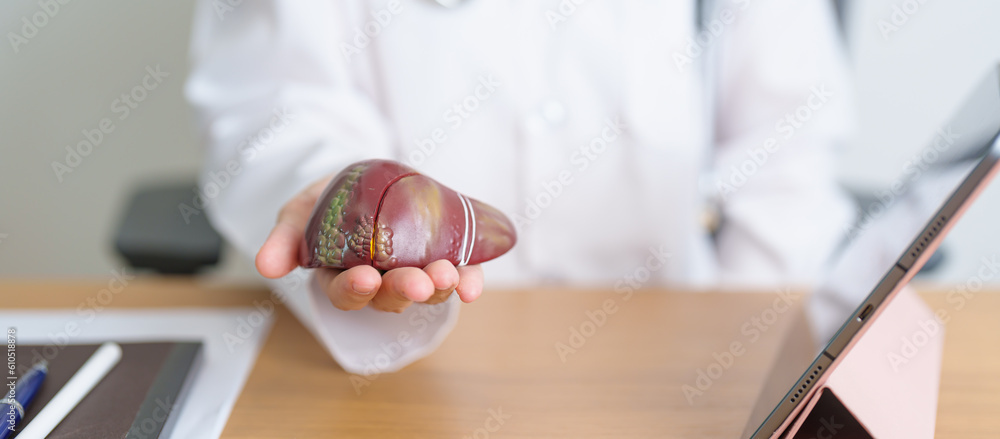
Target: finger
<point>401,287</point>
<point>444,276</point>
<point>349,289</point>
<point>470,283</point>
<point>280,253</point>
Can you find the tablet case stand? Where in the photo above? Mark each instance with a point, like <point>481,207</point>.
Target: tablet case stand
<point>886,386</point>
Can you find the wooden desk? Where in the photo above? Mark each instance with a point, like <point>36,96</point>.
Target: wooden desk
<point>624,381</point>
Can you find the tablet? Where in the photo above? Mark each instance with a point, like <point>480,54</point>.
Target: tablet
<point>894,237</point>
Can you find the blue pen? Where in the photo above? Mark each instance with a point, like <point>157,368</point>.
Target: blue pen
<point>15,401</point>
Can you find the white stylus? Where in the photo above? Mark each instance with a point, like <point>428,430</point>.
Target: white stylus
<point>91,373</point>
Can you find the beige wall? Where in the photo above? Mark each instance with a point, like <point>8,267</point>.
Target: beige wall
<point>67,77</point>
<point>64,80</point>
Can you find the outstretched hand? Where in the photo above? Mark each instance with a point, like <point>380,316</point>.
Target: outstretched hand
<point>356,287</point>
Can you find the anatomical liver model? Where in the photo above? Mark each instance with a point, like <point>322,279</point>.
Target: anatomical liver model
<point>387,215</point>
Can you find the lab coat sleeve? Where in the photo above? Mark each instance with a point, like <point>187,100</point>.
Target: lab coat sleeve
<point>783,105</point>
<point>279,106</point>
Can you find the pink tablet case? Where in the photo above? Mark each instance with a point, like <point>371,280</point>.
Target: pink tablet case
<point>886,386</point>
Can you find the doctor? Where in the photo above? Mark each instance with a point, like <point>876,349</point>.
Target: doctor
<point>629,145</point>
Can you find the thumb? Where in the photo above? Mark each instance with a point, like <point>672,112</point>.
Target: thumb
<point>280,253</point>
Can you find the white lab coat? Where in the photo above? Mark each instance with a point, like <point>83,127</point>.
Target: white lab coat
<point>582,122</point>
